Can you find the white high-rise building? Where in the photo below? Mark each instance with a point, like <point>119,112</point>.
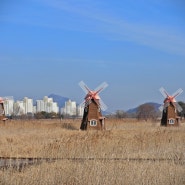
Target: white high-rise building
<point>40,106</point>
<point>23,107</point>
<point>19,108</point>
<point>55,107</point>
<point>34,109</point>
<point>70,108</point>
<point>8,106</point>
<point>28,105</point>
<point>47,105</point>
<point>80,111</point>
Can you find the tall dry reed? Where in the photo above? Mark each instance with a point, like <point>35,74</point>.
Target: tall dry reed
<point>128,152</point>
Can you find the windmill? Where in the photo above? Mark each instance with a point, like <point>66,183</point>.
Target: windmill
<point>3,101</point>
<point>92,104</point>
<point>170,108</point>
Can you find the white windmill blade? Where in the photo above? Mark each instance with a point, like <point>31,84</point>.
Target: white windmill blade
<point>178,107</point>
<point>101,87</point>
<point>177,93</point>
<point>85,103</point>
<point>166,105</point>
<point>161,108</point>
<point>102,105</point>
<point>84,87</point>
<point>163,92</point>
<point>82,104</point>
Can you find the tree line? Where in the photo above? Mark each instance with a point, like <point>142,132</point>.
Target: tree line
<point>145,112</point>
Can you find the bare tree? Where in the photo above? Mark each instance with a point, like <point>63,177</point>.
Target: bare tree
<point>121,114</point>
<point>146,111</point>
<point>182,104</point>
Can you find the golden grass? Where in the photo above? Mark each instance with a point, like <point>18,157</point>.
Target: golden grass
<point>146,153</point>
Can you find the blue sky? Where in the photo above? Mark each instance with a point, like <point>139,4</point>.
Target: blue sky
<point>136,46</point>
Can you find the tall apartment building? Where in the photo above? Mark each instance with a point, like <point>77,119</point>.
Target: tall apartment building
<point>28,105</point>
<point>40,106</point>
<point>23,107</point>
<point>70,108</point>
<point>8,106</point>
<point>47,105</point>
<point>80,111</point>
<point>55,107</point>
<point>19,108</point>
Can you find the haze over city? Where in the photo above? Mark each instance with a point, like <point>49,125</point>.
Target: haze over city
<point>135,46</point>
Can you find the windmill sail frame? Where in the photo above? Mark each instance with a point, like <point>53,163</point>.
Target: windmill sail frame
<point>92,116</point>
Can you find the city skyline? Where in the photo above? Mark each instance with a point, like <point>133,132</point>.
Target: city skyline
<point>135,46</point>
<point>26,106</point>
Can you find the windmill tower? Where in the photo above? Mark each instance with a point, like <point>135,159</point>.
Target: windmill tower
<point>92,116</point>
<point>170,108</point>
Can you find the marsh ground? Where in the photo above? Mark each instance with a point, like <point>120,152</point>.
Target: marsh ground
<point>128,152</point>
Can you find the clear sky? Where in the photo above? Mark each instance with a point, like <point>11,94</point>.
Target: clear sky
<point>136,46</point>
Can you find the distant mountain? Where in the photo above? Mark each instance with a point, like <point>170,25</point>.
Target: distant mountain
<point>59,99</point>
<point>134,110</point>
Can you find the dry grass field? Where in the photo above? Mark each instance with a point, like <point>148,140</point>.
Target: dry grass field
<point>128,152</point>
